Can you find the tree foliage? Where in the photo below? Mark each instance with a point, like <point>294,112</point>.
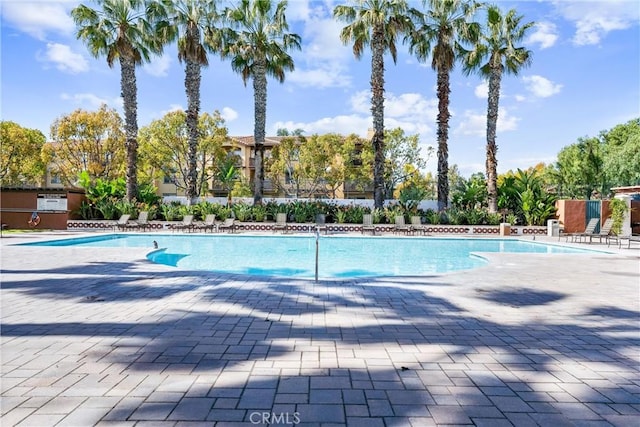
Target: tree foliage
<point>402,159</point>
<point>438,34</point>
<point>21,160</point>
<point>164,148</point>
<point>119,31</point>
<point>91,141</point>
<point>317,165</point>
<point>258,41</point>
<point>593,165</point>
<point>496,53</point>
<point>377,24</point>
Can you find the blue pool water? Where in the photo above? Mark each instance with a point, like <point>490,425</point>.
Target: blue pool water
<point>294,256</point>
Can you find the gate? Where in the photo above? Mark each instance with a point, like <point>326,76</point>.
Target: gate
<point>593,211</point>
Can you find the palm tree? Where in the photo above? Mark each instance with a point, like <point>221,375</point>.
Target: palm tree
<point>121,32</point>
<point>375,23</point>
<point>438,35</point>
<point>187,21</point>
<point>257,42</point>
<point>497,46</point>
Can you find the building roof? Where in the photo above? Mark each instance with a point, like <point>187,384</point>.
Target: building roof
<point>632,189</point>
<point>248,141</point>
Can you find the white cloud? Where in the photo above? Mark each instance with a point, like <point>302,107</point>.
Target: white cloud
<point>64,58</point>
<point>473,123</point>
<point>322,62</point>
<point>324,76</point>
<point>520,98</point>
<point>540,86</point>
<point>37,18</point>
<point>229,114</point>
<point>482,90</point>
<point>92,100</point>
<point>546,34</point>
<point>171,109</point>
<point>409,111</point>
<point>158,66</point>
<point>343,124</point>
<point>594,20</point>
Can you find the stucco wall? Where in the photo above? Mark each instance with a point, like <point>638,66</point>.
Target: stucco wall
<point>16,206</point>
<point>572,215</point>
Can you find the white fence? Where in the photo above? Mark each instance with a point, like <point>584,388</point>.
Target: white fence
<point>368,203</point>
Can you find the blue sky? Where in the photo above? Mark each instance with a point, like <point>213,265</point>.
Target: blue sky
<point>584,78</point>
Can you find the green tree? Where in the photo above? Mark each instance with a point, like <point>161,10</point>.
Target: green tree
<point>21,160</point>
<point>166,148</point>
<point>495,53</point>
<point>187,21</point>
<point>120,32</point>
<point>258,42</point>
<point>580,168</point>
<point>375,23</point>
<point>227,174</point>
<point>438,34</point>
<point>91,141</point>
<point>622,154</point>
<point>403,159</point>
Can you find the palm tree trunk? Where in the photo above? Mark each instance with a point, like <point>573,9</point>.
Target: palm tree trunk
<point>492,149</point>
<point>260,111</point>
<point>443,136</point>
<point>192,87</point>
<point>130,101</point>
<point>377,111</point>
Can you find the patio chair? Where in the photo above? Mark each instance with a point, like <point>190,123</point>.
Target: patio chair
<point>141,223</point>
<point>209,223</point>
<point>281,223</point>
<point>228,224</point>
<point>589,229</point>
<point>122,222</point>
<point>604,233</point>
<point>417,225</point>
<point>401,226</point>
<point>367,224</point>
<point>186,224</point>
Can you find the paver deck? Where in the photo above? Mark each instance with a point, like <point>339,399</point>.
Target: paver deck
<point>104,337</point>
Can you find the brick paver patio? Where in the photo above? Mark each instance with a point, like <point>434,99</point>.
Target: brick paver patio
<point>104,337</point>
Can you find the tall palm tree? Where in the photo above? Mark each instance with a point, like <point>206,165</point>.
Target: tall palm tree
<point>438,34</point>
<point>257,41</point>
<point>375,23</point>
<point>187,21</point>
<point>120,31</point>
<point>497,46</point>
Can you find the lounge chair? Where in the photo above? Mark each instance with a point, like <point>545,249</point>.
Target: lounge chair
<point>367,224</point>
<point>604,233</point>
<point>620,239</point>
<point>416,224</point>
<point>141,223</point>
<point>321,223</point>
<point>281,223</point>
<point>589,229</point>
<point>228,224</point>
<point>122,222</point>
<point>209,223</point>
<point>186,224</point>
<point>401,226</point>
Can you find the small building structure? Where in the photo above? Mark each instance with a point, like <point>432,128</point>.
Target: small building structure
<point>53,205</point>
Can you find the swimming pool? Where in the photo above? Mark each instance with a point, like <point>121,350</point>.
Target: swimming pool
<point>294,256</point>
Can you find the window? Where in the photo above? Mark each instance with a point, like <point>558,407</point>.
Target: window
<point>55,179</point>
